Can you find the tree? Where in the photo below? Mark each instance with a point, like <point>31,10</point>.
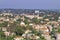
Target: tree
<point>20,30</point>
<point>42,38</point>
<point>19,20</point>
<point>59,30</point>
<point>1,35</point>
<point>56,18</point>
<point>26,21</point>
<point>53,33</point>
<point>10,38</point>
<point>1,25</point>
<point>5,23</point>
<point>35,20</point>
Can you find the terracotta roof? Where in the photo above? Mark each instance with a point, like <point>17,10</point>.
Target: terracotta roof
<point>18,37</point>
<point>43,28</point>
<point>46,33</point>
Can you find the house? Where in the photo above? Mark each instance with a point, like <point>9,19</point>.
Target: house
<point>2,18</point>
<point>17,17</point>
<point>59,20</point>
<point>7,14</point>
<point>29,16</point>
<point>59,17</point>
<point>40,18</point>
<point>31,24</point>
<point>27,31</point>
<point>14,19</point>
<point>46,19</point>
<point>46,36</point>
<point>28,35</point>
<point>22,23</point>
<point>49,27</point>
<point>4,29</point>
<point>10,21</point>
<point>44,28</point>
<point>18,38</point>
<point>37,11</point>
<point>12,34</point>
<point>6,19</point>
<point>8,25</point>
<point>37,27</point>
<point>22,18</point>
<point>34,37</point>
<point>57,36</point>
<point>6,33</point>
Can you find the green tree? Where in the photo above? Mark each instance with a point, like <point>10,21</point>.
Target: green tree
<point>42,38</point>
<point>26,21</point>
<point>18,20</point>
<point>35,20</point>
<point>59,30</point>
<point>20,30</point>
<point>1,34</point>
<point>5,23</point>
<point>53,33</point>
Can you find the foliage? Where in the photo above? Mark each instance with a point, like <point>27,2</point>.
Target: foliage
<point>26,21</point>
<point>1,33</point>
<point>20,30</point>
<point>4,24</point>
<point>59,30</point>
<point>35,20</point>
<point>42,38</point>
<point>19,20</point>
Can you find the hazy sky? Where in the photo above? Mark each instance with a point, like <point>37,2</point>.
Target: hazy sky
<point>33,4</point>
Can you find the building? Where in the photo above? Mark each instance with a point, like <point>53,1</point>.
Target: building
<point>18,38</point>
<point>6,33</point>
<point>22,23</point>
<point>58,36</point>
<point>36,11</point>
<point>4,29</point>
<point>7,14</point>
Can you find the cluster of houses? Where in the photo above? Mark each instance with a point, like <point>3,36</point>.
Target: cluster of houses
<point>46,26</point>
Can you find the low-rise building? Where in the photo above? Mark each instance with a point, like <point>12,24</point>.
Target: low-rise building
<point>4,29</point>
<point>22,23</point>
<point>47,36</point>
<point>6,33</point>
<point>18,38</point>
<point>58,36</point>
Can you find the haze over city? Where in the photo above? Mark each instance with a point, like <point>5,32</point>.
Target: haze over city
<point>30,4</point>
